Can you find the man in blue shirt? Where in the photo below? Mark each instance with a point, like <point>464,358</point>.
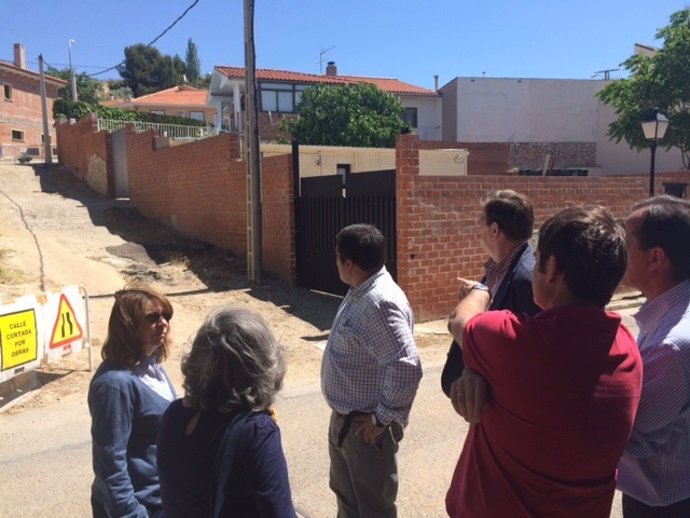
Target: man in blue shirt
<point>369,376</point>
<point>654,472</point>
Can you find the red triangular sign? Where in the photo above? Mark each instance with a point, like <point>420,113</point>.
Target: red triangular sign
<point>66,329</point>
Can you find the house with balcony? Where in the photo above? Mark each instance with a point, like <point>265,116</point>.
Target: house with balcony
<point>21,114</point>
<point>279,93</point>
<point>181,101</point>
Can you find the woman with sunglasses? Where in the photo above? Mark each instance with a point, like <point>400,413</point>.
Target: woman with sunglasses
<point>127,397</point>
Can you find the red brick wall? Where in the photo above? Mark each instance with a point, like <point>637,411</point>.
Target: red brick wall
<point>201,190</point>
<point>196,188</point>
<point>437,220</point>
<point>278,217</point>
<point>24,113</point>
<point>78,141</point>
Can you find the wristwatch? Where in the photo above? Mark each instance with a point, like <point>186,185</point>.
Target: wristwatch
<point>375,421</point>
<point>480,286</point>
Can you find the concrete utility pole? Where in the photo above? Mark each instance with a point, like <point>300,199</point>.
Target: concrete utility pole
<point>72,77</point>
<point>47,150</point>
<point>253,158</point>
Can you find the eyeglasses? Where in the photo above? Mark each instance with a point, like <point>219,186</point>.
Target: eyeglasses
<point>152,318</point>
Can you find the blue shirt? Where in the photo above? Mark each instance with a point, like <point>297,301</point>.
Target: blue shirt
<point>125,419</point>
<point>371,363</point>
<point>655,468</point>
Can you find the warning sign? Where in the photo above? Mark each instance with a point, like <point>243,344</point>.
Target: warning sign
<point>18,338</point>
<point>66,328</point>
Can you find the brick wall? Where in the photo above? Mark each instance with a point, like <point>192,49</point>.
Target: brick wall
<point>200,189</point>
<point>79,142</point>
<point>437,220</point>
<point>278,217</point>
<point>23,113</point>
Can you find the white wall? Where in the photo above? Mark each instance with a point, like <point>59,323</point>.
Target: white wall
<point>543,110</point>
<point>524,110</point>
<point>429,113</point>
<point>615,159</point>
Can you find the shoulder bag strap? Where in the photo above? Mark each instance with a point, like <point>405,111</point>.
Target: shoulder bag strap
<point>224,458</point>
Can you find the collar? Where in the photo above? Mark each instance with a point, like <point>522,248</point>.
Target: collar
<point>504,263</point>
<point>366,285</point>
<point>666,304</point>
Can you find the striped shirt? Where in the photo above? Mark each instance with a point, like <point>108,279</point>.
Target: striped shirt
<point>655,468</point>
<point>370,363</point>
<point>495,272</point>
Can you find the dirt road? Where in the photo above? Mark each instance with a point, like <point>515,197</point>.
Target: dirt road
<point>56,232</point>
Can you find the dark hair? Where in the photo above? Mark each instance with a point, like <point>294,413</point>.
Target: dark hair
<point>364,245</point>
<point>511,211</point>
<point>235,362</point>
<point>666,224</point>
<point>131,305</point>
<point>589,246</point>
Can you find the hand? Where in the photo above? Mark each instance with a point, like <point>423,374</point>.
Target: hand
<point>465,287</point>
<point>469,395</point>
<point>367,430</point>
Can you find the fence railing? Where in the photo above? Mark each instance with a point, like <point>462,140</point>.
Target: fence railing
<point>174,131</point>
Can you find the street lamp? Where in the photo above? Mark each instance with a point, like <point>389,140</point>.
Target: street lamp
<point>73,78</point>
<point>654,129</point>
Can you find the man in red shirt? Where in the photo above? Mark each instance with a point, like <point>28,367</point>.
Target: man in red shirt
<point>564,384</point>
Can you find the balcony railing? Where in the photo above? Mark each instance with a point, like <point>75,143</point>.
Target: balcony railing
<point>174,131</point>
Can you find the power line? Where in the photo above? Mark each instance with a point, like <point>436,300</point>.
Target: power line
<point>154,39</point>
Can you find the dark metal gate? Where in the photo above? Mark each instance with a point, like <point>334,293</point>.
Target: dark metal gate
<point>327,204</point>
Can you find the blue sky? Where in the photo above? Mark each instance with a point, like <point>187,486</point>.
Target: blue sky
<point>411,40</point>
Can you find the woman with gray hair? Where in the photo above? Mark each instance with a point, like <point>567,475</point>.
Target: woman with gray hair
<point>219,449</point>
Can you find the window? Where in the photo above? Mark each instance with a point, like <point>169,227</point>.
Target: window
<point>280,97</point>
<point>7,92</point>
<point>18,135</point>
<point>157,112</point>
<point>179,114</point>
<point>675,189</point>
<point>410,117</point>
<point>197,116</point>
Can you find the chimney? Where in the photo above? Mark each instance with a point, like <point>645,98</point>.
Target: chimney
<point>19,56</point>
<point>331,69</point>
<point>436,82</point>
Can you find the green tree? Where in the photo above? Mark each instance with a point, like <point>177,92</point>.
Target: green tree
<point>661,81</point>
<point>89,89</point>
<point>146,70</point>
<point>192,63</point>
<point>360,115</point>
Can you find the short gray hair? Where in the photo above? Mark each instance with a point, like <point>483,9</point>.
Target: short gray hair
<point>235,362</point>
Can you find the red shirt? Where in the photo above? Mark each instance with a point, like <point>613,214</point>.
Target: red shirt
<point>565,385</point>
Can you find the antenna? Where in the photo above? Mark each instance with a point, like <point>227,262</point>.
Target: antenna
<point>321,55</point>
<point>606,73</point>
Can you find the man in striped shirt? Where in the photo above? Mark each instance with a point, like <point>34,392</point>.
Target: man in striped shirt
<point>369,376</point>
<point>654,472</point>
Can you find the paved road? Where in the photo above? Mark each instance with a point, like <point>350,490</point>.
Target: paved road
<point>45,457</point>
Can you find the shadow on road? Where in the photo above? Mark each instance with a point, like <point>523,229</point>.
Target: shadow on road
<point>150,244</point>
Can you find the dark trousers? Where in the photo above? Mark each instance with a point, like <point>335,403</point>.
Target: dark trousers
<point>635,509</point>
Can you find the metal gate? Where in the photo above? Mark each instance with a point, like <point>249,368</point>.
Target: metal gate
<point>118,143</point>
<point>327,204</point>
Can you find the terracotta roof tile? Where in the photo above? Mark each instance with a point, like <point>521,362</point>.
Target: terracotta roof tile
<point>386,84</point>
<point>177,95</point>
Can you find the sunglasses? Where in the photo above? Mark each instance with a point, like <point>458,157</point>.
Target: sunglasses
<point>152,318</point>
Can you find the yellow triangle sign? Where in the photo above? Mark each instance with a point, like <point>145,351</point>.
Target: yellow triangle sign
<point>66,328</point>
